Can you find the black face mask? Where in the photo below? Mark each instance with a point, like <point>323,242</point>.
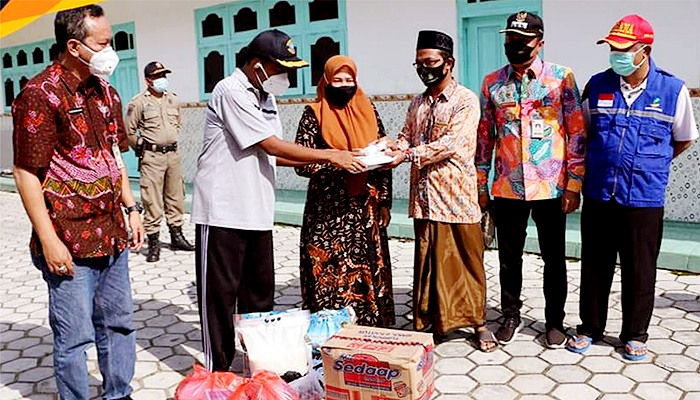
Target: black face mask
<point>518,52</point>
<point>431,76</point>
<point>340,96</point>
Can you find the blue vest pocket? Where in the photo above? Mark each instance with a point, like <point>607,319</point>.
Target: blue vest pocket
<point>653,140</point>
<point>649,179</point>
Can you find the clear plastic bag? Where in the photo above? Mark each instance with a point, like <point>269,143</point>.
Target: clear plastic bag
<point>326,323</point>
<point>265,385</point>
<point>309,386</point>
<point>204,385</point>
<point>275,341</point>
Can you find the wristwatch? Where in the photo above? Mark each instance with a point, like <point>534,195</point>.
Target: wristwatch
<point>135,207</point>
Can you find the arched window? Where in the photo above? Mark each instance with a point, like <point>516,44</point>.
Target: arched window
<point>282,13</point>
<point>9,92</point>
<point>212,26</point>
<point>121,41</point>
<point>53,52</point>
<point>213,70</point>
<point>23,81</point>
<point>245,20</point>
<point>320,10</point>
<point>21,58</point>
<point>321,51</point>
<point>38,56</point>
<point>7,61</point>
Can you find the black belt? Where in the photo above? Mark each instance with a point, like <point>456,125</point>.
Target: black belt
<point>160,148</point>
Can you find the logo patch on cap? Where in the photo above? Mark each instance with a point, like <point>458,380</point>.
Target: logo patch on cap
<point>623,29</point>
<point>291,49</point>
<point>519,21</point>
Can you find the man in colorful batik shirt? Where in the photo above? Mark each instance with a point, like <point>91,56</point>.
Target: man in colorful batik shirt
<point>531,115</point>
<point>68,137</point>
<point>439,140</point>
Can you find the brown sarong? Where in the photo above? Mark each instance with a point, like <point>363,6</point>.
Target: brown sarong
<point>449,282</point>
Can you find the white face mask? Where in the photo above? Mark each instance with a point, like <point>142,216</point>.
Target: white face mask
<point>160,85</point>
<point>275,84</point>
<point>103,62</point>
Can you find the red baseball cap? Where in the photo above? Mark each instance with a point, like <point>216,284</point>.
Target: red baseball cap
<point>628,31</point>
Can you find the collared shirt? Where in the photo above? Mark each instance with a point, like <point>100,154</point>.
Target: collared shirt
<point>441,135</point>
<point>158,119</point>
<point>684,127</point>
<point>66,130</point>
<point>536,125</point>
<point>235,182</point>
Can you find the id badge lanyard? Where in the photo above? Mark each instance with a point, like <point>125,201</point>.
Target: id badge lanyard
<point>112,129</point>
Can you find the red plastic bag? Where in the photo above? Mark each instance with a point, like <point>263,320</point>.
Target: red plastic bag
<point>265,385</point>
<point>204,385</point>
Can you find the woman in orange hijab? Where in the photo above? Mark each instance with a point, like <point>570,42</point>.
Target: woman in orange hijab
<point>344,245</point>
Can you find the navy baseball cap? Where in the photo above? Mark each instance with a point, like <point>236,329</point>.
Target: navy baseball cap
<point>524,23</point>
<point>277,46</point>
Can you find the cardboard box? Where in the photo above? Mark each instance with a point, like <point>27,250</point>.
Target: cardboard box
<point>362,363</point>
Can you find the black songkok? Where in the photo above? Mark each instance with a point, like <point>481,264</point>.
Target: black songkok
<point>434,40</point>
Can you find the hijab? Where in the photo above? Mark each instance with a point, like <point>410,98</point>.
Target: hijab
<point>351,127</point>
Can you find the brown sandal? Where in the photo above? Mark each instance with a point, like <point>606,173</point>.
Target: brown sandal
<point>485,337</point>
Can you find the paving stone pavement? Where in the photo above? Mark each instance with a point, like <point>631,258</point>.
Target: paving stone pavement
<point>169,332</point>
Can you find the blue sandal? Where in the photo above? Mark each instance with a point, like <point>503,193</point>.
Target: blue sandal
<point>578,340</point>
<point>635,347</point>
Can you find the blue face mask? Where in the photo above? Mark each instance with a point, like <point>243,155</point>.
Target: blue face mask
<point>622,62</point>
<point>160,85</point>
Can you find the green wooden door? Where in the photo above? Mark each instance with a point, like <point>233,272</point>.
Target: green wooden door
<point>485,52</point>
<point>481,44</point>
<point>126,78</point>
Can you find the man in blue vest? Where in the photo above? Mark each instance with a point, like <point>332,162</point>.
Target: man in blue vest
<point>639,118</point>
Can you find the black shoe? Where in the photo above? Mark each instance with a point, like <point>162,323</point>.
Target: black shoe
<point>506,333</point>
<point>178,241</point>
<point>555,338</point>
<point>153,248</point>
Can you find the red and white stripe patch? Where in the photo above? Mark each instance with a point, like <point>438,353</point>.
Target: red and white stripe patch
<point>605,100</point>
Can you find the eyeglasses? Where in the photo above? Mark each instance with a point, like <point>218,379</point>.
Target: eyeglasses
<point>427,64</point>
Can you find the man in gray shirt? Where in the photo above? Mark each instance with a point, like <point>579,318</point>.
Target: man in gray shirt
<point>234,192</point>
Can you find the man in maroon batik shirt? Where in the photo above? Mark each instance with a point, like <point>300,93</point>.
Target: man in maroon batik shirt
<point>68,138</point>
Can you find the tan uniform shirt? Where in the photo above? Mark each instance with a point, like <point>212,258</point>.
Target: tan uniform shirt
<point>157,119</point>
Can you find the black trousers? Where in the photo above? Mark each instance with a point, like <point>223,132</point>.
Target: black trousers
<point>511,218</point>
<point>609,229</point>
<point>235,273</point>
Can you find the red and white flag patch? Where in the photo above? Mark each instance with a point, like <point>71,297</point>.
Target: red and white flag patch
<point>605,100</point>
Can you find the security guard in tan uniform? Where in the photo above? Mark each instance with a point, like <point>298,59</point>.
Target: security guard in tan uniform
<point>156,115</point>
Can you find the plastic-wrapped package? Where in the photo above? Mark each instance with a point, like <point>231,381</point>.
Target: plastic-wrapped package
<point>488,228</point>
<point>275,341</point>
<point>310,386</point>
<point>374,156</point>
<point>204,385</point>
<point>265,385</point>
<point>326,323</point>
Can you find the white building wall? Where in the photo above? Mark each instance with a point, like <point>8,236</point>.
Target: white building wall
<point>382,39</point>
<point>381,36</point>
<point>572,27</point>
<point>165,31</point>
